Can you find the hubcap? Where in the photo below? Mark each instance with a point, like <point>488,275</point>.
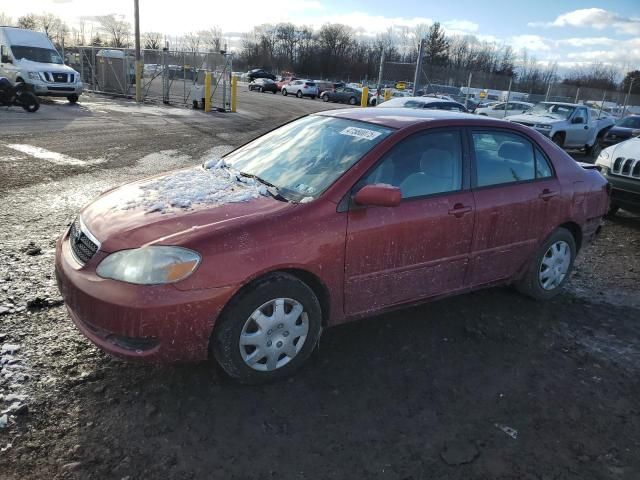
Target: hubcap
<point>274,334</point>
<point>554,265</point>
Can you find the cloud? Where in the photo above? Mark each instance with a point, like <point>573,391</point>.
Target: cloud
<point>534,43</point>
<point>461,25</point>
<point>587,41</point>
<point>597,18</point>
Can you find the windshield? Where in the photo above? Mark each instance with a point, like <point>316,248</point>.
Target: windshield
<point>552,110</point>
<point>36,54</point>
<point>629,122</point>
<point>304,157</point>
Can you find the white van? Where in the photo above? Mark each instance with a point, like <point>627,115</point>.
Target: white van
<point>30,57</point>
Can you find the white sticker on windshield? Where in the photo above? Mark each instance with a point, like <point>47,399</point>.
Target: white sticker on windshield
<point>360,133</point>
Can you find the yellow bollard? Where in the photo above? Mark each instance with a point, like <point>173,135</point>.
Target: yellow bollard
<point>234,93</point>
<point>207,92</point>
<point>387,94</point>
<point>364,99</point>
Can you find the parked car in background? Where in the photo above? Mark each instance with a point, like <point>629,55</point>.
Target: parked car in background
<point>259,73</point>
<point>322,221</point>
<point>425,103</point>
<point>504,109</point>
<point>620,164</point>
<point>285,81</point>
<point>350,95</point>
<point>568,125</point>
<point>29,57</point>
<point>263,85</point>
<point>301,88</point>
<point>323,86</point>
<point>624,129</point>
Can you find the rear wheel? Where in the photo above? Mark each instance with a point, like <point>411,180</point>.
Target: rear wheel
<point>594,150</point>
<point>268,331</point>
<point>260,89</point>
<point>325,98</point>
<point>550,267</point>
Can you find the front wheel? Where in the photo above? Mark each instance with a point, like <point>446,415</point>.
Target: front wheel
<point>325,98</point>
<point>268,331</point>
<point>352,101</point>
<point>73,98</point>
<point>558,139</point>
<point>299,94</point>
<point>550,267</point>
<point>284,92</point>
<point>29,102</point>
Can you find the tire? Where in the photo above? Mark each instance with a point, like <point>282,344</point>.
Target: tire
<point>274,91</point>
<point>613,209</point>
<point>374,102</point>
<point>325,98</point>
<point>594,150</point>
<point>299,94</point>
<point>237,322</point>
<point>558,139</point>
<point>531,284</point>
<point>73,99</point>
<point>352,101</point>
<point>29,102</point>
<point>313,97</point>
<point>284,92</point>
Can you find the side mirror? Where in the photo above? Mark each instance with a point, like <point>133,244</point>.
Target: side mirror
<point>577,120</point>
<point>379,195</point>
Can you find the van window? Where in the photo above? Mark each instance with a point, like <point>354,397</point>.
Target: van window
<point>36,54</point>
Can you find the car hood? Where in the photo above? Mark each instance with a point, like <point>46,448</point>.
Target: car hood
<point>171,208</point>
<point>627,149</point>
<point>44,67</point>
<point>545,120</point>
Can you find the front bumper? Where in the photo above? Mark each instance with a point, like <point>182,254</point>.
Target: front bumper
<point>155,323</point>
<point>57,89</point>
<point>625,191</point>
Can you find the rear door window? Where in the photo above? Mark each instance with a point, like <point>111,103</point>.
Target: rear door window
<point>502,157</point>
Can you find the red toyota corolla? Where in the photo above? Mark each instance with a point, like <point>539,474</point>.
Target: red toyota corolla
<point>329,218</point>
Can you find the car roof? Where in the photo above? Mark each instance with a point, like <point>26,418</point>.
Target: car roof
<point>405,117</point>
<point>565,104</point>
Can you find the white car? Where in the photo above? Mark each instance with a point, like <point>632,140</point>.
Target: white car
<point>30,57</point>
<point>300,88</point>
<point>620,165</point>
<point>504,109</point>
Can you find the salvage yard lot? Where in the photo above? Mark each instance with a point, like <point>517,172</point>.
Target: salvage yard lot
<point>490,385</point>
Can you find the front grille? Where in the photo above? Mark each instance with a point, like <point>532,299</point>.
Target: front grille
<point>626,167</point>
<point>82,246</point>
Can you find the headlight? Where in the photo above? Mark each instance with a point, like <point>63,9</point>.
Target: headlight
<point>604,155</point>
<point>543,127</point>
<point>149,265</point>
<point>34,75</point>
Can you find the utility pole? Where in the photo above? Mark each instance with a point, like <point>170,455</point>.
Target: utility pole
<point>466,97</point>
<point>381,70</point>
<point>416,78</point>
<point>628,95</point>
<point>506,104</point>
<point>136,14</point>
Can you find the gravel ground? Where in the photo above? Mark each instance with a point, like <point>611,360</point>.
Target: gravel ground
<point>489,385</point>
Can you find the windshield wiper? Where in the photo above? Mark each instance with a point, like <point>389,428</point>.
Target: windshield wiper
<point>271,188</point>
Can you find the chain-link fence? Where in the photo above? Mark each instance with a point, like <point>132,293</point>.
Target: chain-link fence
<point>472,87</point>
<point>171,77</point>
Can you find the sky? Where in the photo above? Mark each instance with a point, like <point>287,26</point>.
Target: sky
<point>569,32</point>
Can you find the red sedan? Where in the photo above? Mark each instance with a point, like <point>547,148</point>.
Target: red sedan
<point>332,217</point>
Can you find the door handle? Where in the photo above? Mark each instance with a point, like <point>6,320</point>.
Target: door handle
<point>459,210</point>
<point>547,195</point>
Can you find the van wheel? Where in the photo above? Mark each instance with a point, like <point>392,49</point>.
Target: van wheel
<point>73,98</point>
<point>550,267</point>
<point>268,331</point>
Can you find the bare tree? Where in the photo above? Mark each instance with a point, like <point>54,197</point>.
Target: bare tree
<point>212,39</point>
<point>27,21</point>
<point>5,19</point>
<point>152,40</point>
<point>117,28</point>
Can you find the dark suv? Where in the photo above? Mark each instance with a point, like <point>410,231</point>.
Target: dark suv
<point>259,73</point>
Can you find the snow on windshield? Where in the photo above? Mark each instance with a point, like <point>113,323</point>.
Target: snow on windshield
<point>213,184</point>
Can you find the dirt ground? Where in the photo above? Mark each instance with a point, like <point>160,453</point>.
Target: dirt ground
<point>489,385</point>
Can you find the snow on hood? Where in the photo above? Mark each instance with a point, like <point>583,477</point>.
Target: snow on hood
<point>212,184</point>
<point>544,119</point>
<point>44,67</point>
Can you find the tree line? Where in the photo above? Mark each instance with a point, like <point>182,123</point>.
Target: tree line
<point>336,51</point>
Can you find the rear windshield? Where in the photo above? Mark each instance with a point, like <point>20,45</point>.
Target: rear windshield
<point>310,84</point>
<point>36,54</point>
<point>629,122</point>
